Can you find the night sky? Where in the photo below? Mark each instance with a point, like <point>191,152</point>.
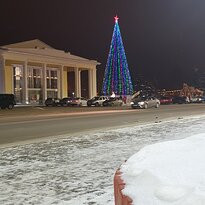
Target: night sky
<point>164,40</point>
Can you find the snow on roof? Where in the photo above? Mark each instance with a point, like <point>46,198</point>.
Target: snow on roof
<point>171,173</point>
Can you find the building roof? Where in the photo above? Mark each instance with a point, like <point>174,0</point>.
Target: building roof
<point>36,43</point>
<point>39,48</point>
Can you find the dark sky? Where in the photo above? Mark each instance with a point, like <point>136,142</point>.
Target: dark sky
<point>164,40</point>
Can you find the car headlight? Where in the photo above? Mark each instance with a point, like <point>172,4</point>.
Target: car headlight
<point>132,103</point>
<point>141,103</point>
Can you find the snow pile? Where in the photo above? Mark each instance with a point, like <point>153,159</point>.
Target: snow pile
<point>170,172</point>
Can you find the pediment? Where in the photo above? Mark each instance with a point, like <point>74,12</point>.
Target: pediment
<point>36,43</point>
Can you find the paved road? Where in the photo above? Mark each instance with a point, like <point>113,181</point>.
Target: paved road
<point>25,124</point>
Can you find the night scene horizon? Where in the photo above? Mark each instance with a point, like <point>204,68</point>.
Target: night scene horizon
<point>164,41</point>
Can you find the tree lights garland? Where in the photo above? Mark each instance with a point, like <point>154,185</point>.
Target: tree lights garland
<point>117,76</point>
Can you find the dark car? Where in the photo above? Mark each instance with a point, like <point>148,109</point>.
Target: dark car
<point>52,102</point>
<point>7,101</point>
<point>165,100</point>
<point>113,102</point>
<point>65,102</point>
<point>179,100</point>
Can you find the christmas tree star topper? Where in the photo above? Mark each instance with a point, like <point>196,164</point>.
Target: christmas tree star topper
<point>116,19</point>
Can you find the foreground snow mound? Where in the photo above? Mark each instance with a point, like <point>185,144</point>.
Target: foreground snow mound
<point>170,172</point>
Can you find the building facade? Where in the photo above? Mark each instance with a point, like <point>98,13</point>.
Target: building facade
<point>34,71</point>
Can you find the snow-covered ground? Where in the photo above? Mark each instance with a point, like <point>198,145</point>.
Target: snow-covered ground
<point>79,170</point>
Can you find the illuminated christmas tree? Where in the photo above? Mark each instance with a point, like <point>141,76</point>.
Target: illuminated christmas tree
<point>117,76</point>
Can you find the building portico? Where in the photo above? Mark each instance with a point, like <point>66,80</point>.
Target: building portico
<point>34,71</point>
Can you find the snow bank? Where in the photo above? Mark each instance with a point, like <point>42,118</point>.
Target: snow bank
<point>170,172</point>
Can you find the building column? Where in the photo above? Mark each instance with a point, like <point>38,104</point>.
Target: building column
<point>77,82</point>
<point>94,82</point>
<point>64,82</point>
<point>60,80</point>
<point>44,84</point>
<point>2,75</point>
<point>25,80</point>
<point>90,83</point>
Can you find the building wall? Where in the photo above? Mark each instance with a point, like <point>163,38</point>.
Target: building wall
<point>8,79</point>
<point>8,76</point>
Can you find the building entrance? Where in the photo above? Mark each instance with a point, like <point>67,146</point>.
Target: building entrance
<point>18,83</point>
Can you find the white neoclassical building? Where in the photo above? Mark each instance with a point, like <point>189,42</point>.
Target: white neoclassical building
<point>33,71</point>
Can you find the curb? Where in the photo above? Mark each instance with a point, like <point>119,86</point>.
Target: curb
<point>119,185</point>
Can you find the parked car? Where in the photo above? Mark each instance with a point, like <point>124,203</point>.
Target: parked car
<point>91,102</point>
<point>97,101</point>
<point>180,100</point>
<point>145,102</point>
<point>7,101</point>
<point>196,100</point>
<point>52,102</point>
<point>65,102</point>
<point>78,102</point>
<point>165,100</point>
<point>113,102</point>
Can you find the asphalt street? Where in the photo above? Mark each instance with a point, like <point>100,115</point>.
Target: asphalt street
<point>28,124</point>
